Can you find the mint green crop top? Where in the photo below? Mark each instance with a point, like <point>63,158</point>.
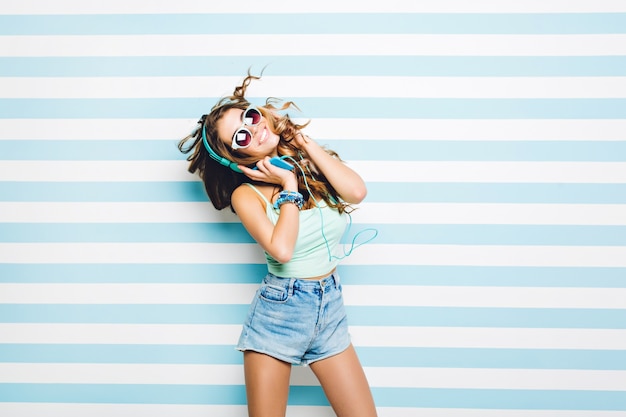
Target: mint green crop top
<point>311,254</point>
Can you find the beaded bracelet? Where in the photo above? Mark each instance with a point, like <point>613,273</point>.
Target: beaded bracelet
<point>289,197</point>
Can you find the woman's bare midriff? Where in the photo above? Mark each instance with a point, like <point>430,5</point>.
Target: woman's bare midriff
<point>320,277</point>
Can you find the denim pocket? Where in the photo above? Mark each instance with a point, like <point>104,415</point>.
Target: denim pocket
<point>274,293</point>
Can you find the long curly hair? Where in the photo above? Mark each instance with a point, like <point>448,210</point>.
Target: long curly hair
<point>220,181</point>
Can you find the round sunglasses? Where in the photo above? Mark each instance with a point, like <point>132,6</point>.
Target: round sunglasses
<point>243,137</point>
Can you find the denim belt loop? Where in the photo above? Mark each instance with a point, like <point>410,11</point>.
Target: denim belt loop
<point>336,278</point>
<point>292,281</point>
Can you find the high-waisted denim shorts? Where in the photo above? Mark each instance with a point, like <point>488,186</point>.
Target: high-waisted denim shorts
<point>296,320</point>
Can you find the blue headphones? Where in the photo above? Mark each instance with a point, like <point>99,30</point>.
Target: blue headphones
<point>223,161</point>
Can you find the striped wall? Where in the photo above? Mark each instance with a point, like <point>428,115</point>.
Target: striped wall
<point>492,136</point>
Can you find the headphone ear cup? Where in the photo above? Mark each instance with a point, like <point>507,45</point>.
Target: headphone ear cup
<point>232,165</point>
<point>223,161</point>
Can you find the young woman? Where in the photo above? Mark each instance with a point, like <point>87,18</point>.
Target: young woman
<point>297,213</point>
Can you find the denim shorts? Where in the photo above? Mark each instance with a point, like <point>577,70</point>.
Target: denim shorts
<point>297,321</point>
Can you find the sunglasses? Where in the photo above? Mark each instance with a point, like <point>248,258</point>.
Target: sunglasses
<point>243,137</point>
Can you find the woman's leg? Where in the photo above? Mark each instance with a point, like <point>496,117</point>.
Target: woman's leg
<point>267,384</point>
<point>345,384</point>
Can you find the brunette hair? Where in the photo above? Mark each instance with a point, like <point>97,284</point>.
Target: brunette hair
<point>220,181</point>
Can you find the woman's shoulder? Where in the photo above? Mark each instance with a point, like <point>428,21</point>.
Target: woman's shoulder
<point>247,192</point>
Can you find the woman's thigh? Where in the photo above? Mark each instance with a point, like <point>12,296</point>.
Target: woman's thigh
<point>267,384</point>
<point>345,384</point>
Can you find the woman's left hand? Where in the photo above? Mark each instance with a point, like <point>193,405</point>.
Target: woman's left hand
<point>301,140</point>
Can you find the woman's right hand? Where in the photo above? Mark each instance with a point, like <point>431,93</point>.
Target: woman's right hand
<point>268,173</point>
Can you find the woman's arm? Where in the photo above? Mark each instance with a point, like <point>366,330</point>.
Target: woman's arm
<point>277,240</point>
<point>348,184</point>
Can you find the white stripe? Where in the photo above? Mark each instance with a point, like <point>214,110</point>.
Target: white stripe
<point>459,213</point>
<point>488,255</point>
<point>334,129</point>
<point>494,338</point>
<point>223,253</point>
<point>149,212</point>
<point>167,410</point>
<point>96,171</point>
<point>333,45</point>
<point>355,295</point>
<point>462,129</point>
<point>126,293</point>
<point>492,172</point>
<point>489,297</point>
<point>178,410</point>
<point>479,412</point>
<point>320,6</point>
<point>110,373</point>
<point>312,86</point>
<point>370,336</point>
<point>370,254</point>
<point>195,374</point>
<point>371,171</point>
<point>226,253</point>
<point>188,410</point>
<point>369,213</point>
<point>101,129</point>
<point>95,333</point>
<point>533,379</point>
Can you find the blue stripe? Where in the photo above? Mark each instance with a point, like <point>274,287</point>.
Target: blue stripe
<point>138,273</point>
<point>557,193</point>
<point>458,234</point>
<point>501,276</point>
<point>91,150</point>
<point>125,232</point>
<point>404,108</point>
<point>500,399</point>
<point>315,23</point>
<point>438,66</point>
<point>362,316</point>
<point>487,234</point>
<point>124,393</point>
<point>493,358</point>
<point>300,395</point>
<point>518,276</point>
<point>103,191</point>
<point>102,313</point>
<point>369,356</point>
<point>84,353</point>
<point>488,317</point>
<point>419,150</point>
